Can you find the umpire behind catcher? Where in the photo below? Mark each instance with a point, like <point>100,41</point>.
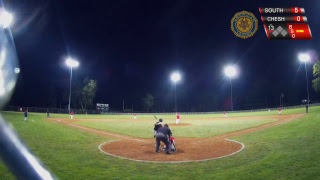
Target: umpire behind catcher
<point>163,134</point>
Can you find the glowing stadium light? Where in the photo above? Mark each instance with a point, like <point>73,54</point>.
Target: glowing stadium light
<point>304,57</point>
<point>71,63</point>
<point>175,77</point>
<point>231,72</point>
<point>6,19</point>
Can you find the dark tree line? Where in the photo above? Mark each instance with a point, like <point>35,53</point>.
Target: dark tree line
<point>82,95</point>
<point>316,75</point>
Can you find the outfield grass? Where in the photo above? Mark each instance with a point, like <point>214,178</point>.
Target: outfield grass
<point>172,116</point>
<point>289,151</point>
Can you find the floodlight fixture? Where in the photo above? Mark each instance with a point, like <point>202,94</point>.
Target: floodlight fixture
<point>230,71</point>
<point>6,19</point>
<point>304,57</point>
<point>175,77</point>
<point>71,62</point>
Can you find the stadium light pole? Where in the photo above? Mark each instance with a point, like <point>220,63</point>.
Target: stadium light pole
<point>6,19</point>
<point>303,57</point>
<point>230,71</point>
<point>71,63</point>
<point>175,77</point>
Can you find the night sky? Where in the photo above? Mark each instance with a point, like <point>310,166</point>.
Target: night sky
<point>131,46</point>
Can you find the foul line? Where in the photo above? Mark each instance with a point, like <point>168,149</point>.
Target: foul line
<point>102,132</point>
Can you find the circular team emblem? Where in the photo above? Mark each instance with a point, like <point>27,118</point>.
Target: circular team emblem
<point>244,24</point>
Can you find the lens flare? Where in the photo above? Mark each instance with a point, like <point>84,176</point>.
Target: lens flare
<point>8,66</point>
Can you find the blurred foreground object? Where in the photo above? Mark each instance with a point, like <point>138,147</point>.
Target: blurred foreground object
<point>18,158</point>
<point>13,152</point>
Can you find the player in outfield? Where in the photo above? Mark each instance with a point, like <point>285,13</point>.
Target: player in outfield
<point>71,114</point>
<point>178,118</point>
<point>26,115</point>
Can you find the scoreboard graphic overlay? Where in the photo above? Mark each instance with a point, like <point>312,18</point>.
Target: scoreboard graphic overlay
<point>279,25</point>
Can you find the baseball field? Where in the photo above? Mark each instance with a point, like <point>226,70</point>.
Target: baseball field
<point>254,145</point>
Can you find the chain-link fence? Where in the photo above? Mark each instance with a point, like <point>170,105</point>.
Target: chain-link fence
<point>51,110</point>
<point>81,111</point>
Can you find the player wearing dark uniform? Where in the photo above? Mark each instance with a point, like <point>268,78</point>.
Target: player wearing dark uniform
<point>157,125</point>
<point>26,115</point>
<point>307,108</point>
<point>163,134</point>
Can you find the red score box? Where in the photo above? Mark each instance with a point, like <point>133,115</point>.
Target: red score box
<point>297,10</point>
<point>300,19</point>
<point>299,31</point>
<point>279,10</point>
<point>288,19</point>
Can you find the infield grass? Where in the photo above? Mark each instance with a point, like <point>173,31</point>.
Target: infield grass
<point>289,151</point>
<point>198,125</point>
<point>195,128</point>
